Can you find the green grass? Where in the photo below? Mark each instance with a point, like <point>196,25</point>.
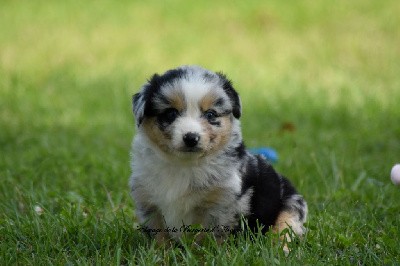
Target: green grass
<point>67,73</point>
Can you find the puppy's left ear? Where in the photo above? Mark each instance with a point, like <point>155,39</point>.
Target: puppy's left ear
<point>233,95</point>
<point>138,104</point>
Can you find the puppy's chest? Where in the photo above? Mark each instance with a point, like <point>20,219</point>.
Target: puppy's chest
<point>188,188</point>
<point>172,183</point>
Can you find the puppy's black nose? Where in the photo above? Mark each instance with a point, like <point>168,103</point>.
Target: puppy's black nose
<point>191,139</point>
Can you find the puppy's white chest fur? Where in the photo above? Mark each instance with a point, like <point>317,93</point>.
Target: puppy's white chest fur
<point>184,192</point>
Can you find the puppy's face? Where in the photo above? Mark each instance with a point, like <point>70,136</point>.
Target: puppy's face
<point>187,112</point>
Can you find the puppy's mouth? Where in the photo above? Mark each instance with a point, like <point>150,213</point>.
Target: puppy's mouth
<point>190,149</point>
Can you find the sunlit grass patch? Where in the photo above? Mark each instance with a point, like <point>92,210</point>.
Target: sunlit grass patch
<point>67,74</point>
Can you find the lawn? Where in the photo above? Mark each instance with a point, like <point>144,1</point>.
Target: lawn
<point>319,81</point>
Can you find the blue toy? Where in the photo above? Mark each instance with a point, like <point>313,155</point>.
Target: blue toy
<point>269,153</point>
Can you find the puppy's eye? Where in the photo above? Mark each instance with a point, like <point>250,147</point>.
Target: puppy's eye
<point>210,115</point>
<point>168,116</point>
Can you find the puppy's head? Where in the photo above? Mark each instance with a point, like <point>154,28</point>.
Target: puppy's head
<point>187,112</point>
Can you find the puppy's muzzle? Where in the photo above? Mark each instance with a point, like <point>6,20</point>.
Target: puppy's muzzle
<point>191,139</point>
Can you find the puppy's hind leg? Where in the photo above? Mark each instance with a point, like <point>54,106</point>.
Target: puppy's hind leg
<point>292,217</point>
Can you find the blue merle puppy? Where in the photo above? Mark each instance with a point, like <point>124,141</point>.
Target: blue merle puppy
<point>190,166</point>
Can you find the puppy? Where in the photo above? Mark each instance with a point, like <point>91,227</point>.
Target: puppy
<point>190,166</point>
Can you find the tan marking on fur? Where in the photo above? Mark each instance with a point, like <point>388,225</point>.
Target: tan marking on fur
<point>225,131</point>
<point>283,221</point>
<point>287,220</point>
<point>213,197</point>
<point>207,102</point>
<point>218,136</point>
<point>155,134</point>
<point>177,100</point>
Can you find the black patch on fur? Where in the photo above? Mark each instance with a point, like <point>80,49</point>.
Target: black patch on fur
<point>147,212</point>
<point>301,213</point>
<point>165,118</point>
<point>219,102</point>
<point>233,95</point>
<point>225,112</point>
<point>208,77</point>
<point>215,123</point>
<point>287,188</point>
<point>150,90</point>
<point>238,152</point>
<point>266,201</point>
<point>135,102</point>
<point>135,98</point>
<point>153,87</point>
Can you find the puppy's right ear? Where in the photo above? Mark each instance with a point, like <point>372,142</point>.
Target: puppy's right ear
<point>138,104</point>
<point>232,94</point>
